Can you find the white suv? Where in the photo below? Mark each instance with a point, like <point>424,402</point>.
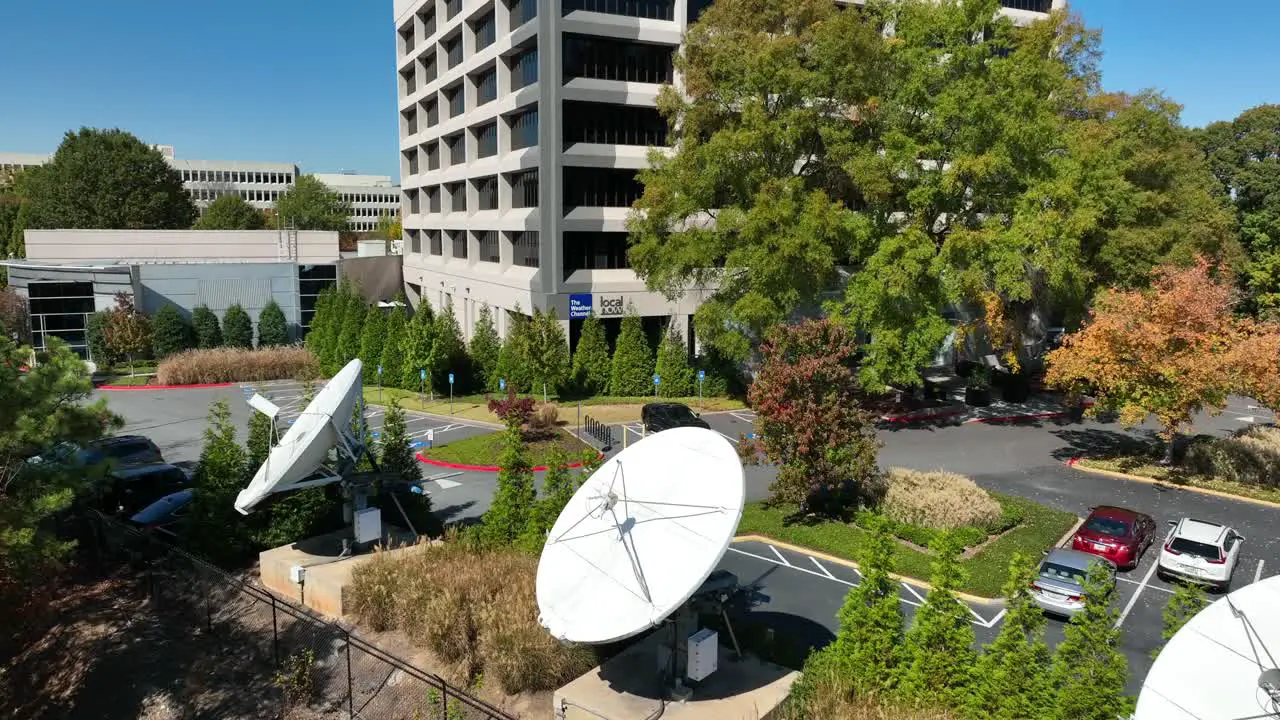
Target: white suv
<point>1200,551</point>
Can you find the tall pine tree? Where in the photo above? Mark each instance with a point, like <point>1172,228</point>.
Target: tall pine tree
<point>237,328</point>
<point>352,331</point>
<point>591,363</point>
<point>485,348</point>
<point>548,353</point>
<point>938,666</point>
<point>273,328</point>
<point>514,502</point>
<point>673,366</point>
<point>216,529</point>
<point>397,456</point>
<point>513,359</point>
<point>393,344</point>
<point>371,339</point>
<point>170,333</point>
<point>632,371</point>
<point>207,329</point>
<point>1011,680</point>
<point>450,352</point>
<point>1089,671</point>
<point>418,348</point>
<point>321,322</point>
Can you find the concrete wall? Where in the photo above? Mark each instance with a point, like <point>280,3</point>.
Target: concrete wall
<point>379,277</point>
<point>150,246</point>
<point>219,286</point>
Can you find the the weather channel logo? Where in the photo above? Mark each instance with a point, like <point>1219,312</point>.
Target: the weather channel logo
<point>579,306</point>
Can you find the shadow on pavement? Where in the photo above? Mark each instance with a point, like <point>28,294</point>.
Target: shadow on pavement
<point>1097,442</point>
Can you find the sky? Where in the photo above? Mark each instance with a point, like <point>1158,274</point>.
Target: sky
<point>313,81</point>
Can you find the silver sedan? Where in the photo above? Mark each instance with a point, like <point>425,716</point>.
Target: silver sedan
<point>1059,585</point>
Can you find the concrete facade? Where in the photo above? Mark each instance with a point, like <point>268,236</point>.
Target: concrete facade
<point>159,246</point>
<point>219,286</point>
<point>371,196</point>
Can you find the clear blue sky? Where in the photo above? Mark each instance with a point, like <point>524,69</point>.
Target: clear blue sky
<point>312,81</point>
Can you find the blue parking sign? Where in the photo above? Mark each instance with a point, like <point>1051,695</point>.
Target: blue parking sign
<point>450,378</point>
<point>657,380</point>
<point>701,374</point>
<point>502,383</point>
<point>422,374</point>
<point>379,369</point>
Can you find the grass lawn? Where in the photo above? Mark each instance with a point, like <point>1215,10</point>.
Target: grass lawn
<point>1147,466</point>
<point>127,380</point>
<point>486,449</point>
<point>476,407</point>
<point>1041,527</point>
<point>140,366</point>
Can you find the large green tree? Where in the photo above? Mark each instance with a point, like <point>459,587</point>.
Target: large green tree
<point>591,362</point>
<point>352,333</point>
<point>484,351</point>
<point>449,354</point>
<point>1011,679</point>
<point>371,342</point>
<point>107,179</point>
<point>514,505</point>
<point>548,354</point>
<point>237,328</point>
<point>672,367</point>
<point>514,364</point>
<point>170,332</point>
<point>231,212</point>
<point>320,330</point>
<point>128,330</point>
<point>273,328</point>
<point>311,205</point>
<point>632,371</point>
<point>1089,672</point>
<point>418,350</point>
<point>216,529</point>
<point>393,359</point>
<point>938,662</point>
<point>207,328</point>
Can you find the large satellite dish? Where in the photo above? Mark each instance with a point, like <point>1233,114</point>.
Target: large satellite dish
<point>640,536</point>
<point>1222,665</point>
<point>298,461</point>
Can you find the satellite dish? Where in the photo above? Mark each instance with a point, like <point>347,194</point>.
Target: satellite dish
<point>302,451</point>
<point>640,536</point>
<point>1222,663</point>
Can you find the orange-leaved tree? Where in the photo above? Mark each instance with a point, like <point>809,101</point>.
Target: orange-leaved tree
<point>1168,351</point>
<point>1255,361</point>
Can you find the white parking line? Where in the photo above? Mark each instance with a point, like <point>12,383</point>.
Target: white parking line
<point>912,590</point>
<point>726,437</point>
<point>1134,600</point>
<point>1257,574</point>
<point>780,558</point>
<point>744,417</point>
<point>793,567</point>
<point>1149,587</point>
<point>819,566</point>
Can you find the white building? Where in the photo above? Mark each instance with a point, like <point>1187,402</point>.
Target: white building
<point>371,197</point>
<point>522,126</point>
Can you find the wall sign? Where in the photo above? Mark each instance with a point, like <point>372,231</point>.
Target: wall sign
<point>579,306</point>
<point>611,306</point>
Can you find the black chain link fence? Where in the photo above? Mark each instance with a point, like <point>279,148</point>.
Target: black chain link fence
<point>281,659</point>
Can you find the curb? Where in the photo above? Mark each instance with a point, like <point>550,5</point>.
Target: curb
<point>914,582</point>
<point>196,386</point>
<point>1062,541</point>
<point>907,419</point>
<point>484,468</point>
<point>1074,463</point>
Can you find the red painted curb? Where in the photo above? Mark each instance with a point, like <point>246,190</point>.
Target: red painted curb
<point>1072,462</point>
<point>921,418</point>
<point>481,468</point>
<point>197,386</point>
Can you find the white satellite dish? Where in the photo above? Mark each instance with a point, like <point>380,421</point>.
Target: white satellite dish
<point>293,464</point>
<point>1222,665</point>
<point>640,536</point>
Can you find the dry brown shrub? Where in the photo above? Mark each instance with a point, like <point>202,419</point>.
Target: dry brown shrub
<point>939,499</point>
<point>831,700</point>
<point>1251,457</point>
<point>544,419</point>
<point>373,590</point>
<point>237,365</point>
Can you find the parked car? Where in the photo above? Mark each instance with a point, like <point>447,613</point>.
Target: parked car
<point>128,489</point>
<point>1200,551</point>
<point>120,449</point>
<point>666,415</point>
<point>1116,534</point>
<point>166,514</point>
<point>1058,588</point>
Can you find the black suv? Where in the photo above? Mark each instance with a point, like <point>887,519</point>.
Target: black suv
<point>119,450</point>
<point>128,489</point>
<point>664,416</point>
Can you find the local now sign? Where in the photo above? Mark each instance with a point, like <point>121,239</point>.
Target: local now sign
<point>610,306</point>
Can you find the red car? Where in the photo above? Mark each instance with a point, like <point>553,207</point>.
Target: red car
<point>1116,534</point>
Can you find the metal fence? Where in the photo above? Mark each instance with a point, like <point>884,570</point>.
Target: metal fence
<point>262,656</point>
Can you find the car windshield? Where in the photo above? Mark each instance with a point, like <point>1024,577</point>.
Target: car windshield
<point>1061,573</point>
<point>1107,526</point>
<point>680,412</point>
<point>1191,547</point>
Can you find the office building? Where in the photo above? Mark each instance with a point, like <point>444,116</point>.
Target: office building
<point>371,197</point>
<point>522,127</point>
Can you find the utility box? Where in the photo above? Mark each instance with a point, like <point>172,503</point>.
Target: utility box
<point>368,524</point>
<point>704,654</point>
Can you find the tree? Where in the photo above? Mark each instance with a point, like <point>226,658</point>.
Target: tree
<point>513,357</point>
<point>15,317</point>
<point>485,348</point>
<point>107,179</point>
<point>216,529</point>
<point>1011,679</point>
<point>397,453</point>
<point>96,336</point>
<point>390,228</point>
<point>591,363</point>
<point>208,330</point>
<point>677,378</point>
<point>418,350</point>
<point>393,359</point>
<point>371,338</point>
<point>237,328</point>
<point>548,353</point>
<point>514,501</point>
<point>632,371</point>
<point>1089,672</point>
<point>352,331</point>
<point>1187,600</point>
<point>170,332</point>
<point>231,212</point>
<point>128,331</point>
<point>449,353</point>
<point>806,400</point>
<point>273,329</point>
<point>45,406</point>
<point>939,657</point>
<point>259,443</point>
<point>558,486</point>
<point>1165,351</point>
<point>318,338</point>
<point>311,205</point>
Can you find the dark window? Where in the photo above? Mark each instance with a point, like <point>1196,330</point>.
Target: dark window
<point>613,124</point>
<point>414,207</point>
<point>311,280</point>
<point>487,140</point>
<point>485,32</point>
<point>594,251</point>
<point>524,248</point>
<point>522,11</point>
<point>429,69</point>
<point>651,9</point>
<point>1192,547</point>
<point>452,8</point>
<point>487,193</point>
<point>410,86</point>
<point>456,100</point>
<point>453,50</point>
<point>459,240</point>
<point>61,310</point>
<point>1040,6</point>
<point>486,86</point>
<point>457,197</point>
<point>428,18</point>
<point>696,8</point>
<point>433,199</point>
<point>415,242</point>
<point>524,68</point>
<point>600,187</point>
<point>610,59</point>
<point>433,156</point>
<point>524,129</point>
<point>488,246</point>
<point>1061,573</point>
<point>411,120</point>
<point>524,189</point>
<point>457,149</point>
<point>1107,526</point>
<point>434,246</point>
<point>412,158</point>
<point>406,40</point>
<point>432,110</point>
